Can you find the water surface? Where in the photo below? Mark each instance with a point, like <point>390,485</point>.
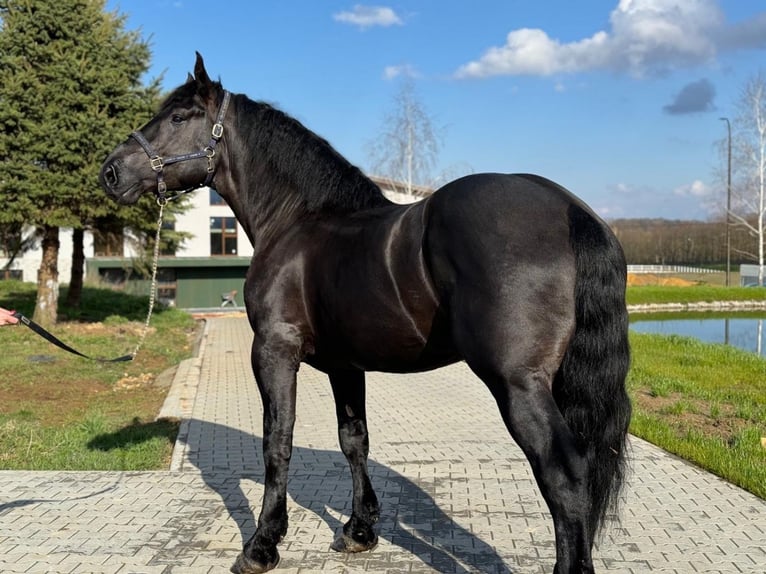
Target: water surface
<point>744,332</point>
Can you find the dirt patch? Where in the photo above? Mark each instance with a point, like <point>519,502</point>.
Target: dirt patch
<point>53,388</point>
<point>134,381</point>
<point>635,280</point>
<point>719,421</point>
<point>52,403</point>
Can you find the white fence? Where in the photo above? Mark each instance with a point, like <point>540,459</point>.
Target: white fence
<point>659,269</point>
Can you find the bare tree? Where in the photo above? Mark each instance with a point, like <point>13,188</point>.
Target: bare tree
<point>749,166</point>
<point>408,148</point>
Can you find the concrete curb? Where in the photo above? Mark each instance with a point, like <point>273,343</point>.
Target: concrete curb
<point>179,401</point>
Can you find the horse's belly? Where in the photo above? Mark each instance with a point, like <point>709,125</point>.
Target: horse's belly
<point>388,364</point>
<point>387,344</point>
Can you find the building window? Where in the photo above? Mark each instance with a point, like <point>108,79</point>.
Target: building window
<point>12,274</point>
<point>169,248</point>
<point>216,199</point>
<point>167,286</point>
<point>10,241</point>
<point>223,236</point>
<point>108,243</point>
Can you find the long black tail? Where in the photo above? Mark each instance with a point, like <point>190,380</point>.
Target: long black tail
<point>589,387</point>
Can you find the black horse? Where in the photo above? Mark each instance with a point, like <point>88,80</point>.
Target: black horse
<point>511,273</point>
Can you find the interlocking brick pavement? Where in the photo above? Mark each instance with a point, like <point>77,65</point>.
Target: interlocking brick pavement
<point>457,494</point>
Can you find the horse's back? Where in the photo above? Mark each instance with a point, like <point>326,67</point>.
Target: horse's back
<point>510,204</point>
<point>503,224</point>
<point>499,250</point>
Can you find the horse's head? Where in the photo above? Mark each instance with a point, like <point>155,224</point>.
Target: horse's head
<point>176,149</point>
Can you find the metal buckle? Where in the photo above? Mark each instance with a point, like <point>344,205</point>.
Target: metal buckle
<point>218,131</point>
<point>157,163</point>
<point>210,154</point>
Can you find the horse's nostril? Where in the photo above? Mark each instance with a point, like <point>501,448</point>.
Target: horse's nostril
<point>110,175</point>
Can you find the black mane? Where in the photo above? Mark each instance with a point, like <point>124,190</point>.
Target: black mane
<point>297,159</point>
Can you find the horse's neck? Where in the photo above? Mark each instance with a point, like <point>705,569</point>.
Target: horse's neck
<point>267,198</point>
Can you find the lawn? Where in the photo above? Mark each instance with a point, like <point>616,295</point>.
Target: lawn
<point>57,407</point>
<point>647,294</point>
<point>704,403</point>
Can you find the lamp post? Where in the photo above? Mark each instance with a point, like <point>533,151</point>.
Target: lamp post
<point>728,206</point>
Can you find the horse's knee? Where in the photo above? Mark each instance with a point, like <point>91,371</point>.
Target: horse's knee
<point>354,438</point>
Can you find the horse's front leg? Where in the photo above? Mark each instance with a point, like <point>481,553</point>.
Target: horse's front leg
<point>275,374</point>
<point>348,388</point>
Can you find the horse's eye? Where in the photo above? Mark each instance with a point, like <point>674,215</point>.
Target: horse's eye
<point>176,119</point>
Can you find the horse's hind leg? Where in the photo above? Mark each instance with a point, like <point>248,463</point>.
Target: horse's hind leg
<point>535,423</point>
<point>348,388</point>
<point>517,359</point>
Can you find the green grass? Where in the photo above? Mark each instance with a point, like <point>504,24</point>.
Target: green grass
<point>60,411</point>
<point>705,403</point>
<point>643,295</point>
<point>98,442</point>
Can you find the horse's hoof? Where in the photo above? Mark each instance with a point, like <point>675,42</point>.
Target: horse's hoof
<point>245,565</point>
<point>348,545</point>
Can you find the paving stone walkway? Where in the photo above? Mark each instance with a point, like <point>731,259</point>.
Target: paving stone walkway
<point>457,494</point>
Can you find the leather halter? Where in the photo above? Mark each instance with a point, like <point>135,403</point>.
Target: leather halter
<point>158,163</point>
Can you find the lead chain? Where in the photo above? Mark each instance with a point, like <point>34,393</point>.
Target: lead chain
<point>153,289</point>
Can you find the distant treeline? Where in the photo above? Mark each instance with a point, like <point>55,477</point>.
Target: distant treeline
<point>662,241</point>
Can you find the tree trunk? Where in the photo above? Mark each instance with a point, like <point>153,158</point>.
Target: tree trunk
<point>78,266</point>
<point>46,309</point>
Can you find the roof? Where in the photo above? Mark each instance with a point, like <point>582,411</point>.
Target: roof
<point>389,184</point>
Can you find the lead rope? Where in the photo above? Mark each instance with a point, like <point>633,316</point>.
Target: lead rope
<point>162,202</point>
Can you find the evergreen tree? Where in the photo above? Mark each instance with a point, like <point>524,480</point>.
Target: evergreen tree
<point>70,89</point>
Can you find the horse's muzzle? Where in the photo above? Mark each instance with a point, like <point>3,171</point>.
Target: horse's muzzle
<point>115,186</point>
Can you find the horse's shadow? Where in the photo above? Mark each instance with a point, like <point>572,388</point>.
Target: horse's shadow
<point>320,482</point>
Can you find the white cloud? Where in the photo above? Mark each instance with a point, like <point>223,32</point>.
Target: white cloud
<point>623,188</point>
<point>696,189</point>
<point>368,16</point>
<point>403,70</point>
<point>695,200</point>
<point>645,36</point>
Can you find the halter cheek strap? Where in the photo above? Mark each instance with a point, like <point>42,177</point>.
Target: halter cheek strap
<point>158,163</point>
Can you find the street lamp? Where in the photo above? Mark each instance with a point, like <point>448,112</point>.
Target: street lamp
<point>728,207</point>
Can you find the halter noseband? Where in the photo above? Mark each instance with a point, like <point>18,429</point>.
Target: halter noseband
<point>158,163</point>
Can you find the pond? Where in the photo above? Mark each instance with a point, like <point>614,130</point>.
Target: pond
<point>743,331</point>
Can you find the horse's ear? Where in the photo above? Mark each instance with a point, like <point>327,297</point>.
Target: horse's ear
<point>189,78</point>
<point>200,74</point>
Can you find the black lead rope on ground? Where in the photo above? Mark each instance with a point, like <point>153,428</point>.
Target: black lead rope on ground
<point>161,202</point>
<point>59,343</point>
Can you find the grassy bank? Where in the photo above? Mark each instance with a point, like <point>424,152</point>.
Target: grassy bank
<point>57,407</point>
<point>648,294</point>
<point>705,403</point>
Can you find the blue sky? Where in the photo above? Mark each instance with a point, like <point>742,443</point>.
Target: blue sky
<point>617,100</point>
